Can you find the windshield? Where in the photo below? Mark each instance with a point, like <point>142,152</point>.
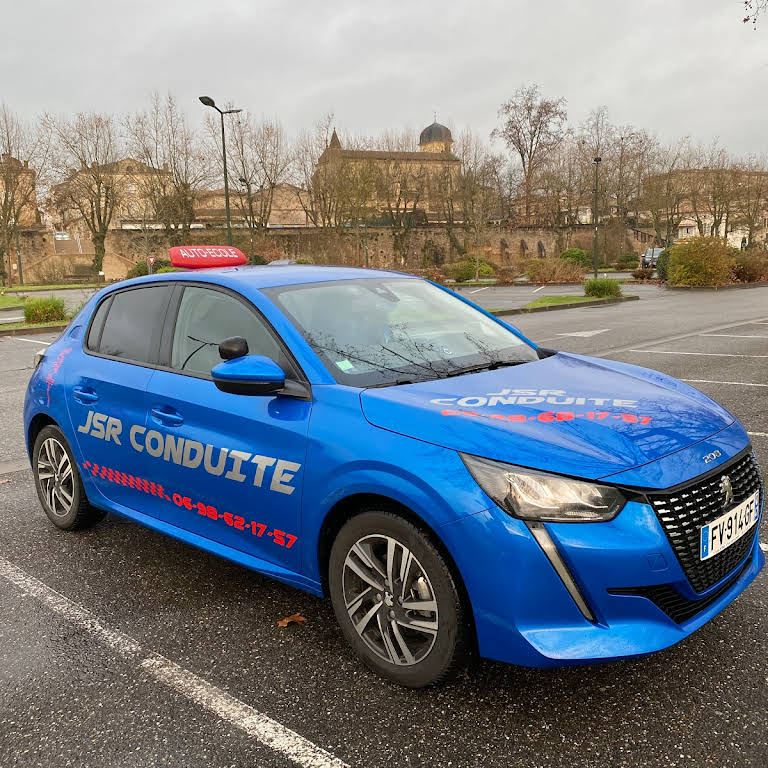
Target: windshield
<point>378,332</point>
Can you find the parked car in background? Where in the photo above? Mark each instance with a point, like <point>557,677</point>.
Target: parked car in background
<point>650,257</point>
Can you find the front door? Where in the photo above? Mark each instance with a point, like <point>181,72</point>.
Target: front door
<point>231,465</point>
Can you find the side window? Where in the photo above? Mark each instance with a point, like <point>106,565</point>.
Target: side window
<point>134,322</point>
<point>94,333</point>
<point>207,317</point>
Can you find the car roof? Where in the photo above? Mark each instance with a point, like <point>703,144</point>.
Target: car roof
<point>266,276</point>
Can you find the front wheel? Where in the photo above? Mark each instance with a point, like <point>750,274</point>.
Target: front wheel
<point>396,600</point>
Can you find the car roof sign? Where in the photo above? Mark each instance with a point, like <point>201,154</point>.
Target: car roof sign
<point>206,256</point>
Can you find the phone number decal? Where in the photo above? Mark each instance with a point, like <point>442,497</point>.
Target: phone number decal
<point>557,416</point>
<point>142,485</point>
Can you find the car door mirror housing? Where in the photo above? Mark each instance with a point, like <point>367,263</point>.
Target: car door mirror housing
<point>249,375</point>
<point>233,347</point>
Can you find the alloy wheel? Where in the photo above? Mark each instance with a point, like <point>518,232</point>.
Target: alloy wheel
<point>390,600</point>
<point>54,473</point>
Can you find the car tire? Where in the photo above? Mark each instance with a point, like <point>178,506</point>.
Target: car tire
<point>58,482</point>
<point>381,567</point>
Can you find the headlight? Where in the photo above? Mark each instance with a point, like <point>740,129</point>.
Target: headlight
<point>539,496</point>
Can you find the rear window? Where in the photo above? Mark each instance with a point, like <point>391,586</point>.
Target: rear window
<point>134,320</point>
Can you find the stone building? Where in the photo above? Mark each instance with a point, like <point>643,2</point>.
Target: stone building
<point>370,184</point>
<point>127,190</point>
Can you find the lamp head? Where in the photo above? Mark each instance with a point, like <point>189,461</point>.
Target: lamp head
<point>208,101</point>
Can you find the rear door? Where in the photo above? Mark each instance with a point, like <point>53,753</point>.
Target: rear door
<point>106,394</point>
<point>232,465</point>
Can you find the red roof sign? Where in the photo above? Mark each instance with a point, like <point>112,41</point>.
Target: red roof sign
<point>201,256</point>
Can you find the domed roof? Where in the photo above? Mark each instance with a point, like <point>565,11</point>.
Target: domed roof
<point>435,132</point>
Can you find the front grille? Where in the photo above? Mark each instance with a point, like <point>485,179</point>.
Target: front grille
<point>678,607</point>
<point>682,513</point>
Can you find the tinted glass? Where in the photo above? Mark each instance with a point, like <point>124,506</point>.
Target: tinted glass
<point>134,323</point>
<point>207,317</point>
<point>387,331</point>
<point>96,326</point>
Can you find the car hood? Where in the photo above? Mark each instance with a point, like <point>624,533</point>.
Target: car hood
<point>568,414</point>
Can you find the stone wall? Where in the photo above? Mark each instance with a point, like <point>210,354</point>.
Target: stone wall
<point>46,261</point>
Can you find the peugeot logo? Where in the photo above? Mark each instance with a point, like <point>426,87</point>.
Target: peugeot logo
<point>727,490</point>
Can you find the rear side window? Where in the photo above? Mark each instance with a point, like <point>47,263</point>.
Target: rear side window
<point>97,326</point>
<point>133,323</point>
<point>207,317</point>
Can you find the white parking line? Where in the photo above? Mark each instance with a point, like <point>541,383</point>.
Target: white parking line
<point>32,341</point>
<point>705,354</point>
<point>764,547</point>
<point>736,383</point>
<point>480,289</point>
<point>758,434</point>
<point>732,336</point>
<point>257,725</point>
<point>536,290</point>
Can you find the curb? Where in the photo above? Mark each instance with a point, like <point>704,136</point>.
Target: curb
<point>738,286</point>
<point>553,307</point>
<point>13,308</point>
<point>30,331</point>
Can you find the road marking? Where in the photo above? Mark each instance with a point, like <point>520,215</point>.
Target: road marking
<point>481,289</point>
<point>705,354</point>
<point>33,341</point>
<point>737,383</point>
<point>678,337</point>
<point>6,467</point>
<point>758,434</point>
<point>732,336</point>
<point>536,290</point>
<point>764,547</point>
<point>257,725</point>
<point>585,334</point>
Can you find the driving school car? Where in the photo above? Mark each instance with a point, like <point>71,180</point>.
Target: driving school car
<point>373,437</point>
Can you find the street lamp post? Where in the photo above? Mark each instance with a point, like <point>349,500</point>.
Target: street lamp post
<point>595,217</point>
<point>209,102</point>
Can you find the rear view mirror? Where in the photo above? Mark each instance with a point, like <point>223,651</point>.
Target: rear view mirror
<point>248,375</point>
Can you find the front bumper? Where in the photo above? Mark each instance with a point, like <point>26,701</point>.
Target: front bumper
<point>627,572</point>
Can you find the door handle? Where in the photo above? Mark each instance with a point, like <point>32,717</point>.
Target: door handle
<point>84,395</point>
<point>167,416</point>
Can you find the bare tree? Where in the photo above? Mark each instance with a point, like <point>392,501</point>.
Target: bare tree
<point>88,149</point>
<point>24,156</point>
<point>320,180</point>
<point>752,198</point>
<point>402,182</point>
<point>665,190</point>
<point>753,10</point>
<point>259,160</point>
<point>532,127</point>
<point>178,166</point>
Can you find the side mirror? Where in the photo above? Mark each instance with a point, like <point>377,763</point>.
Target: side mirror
<point>236,346</point>
<point>248,375</point>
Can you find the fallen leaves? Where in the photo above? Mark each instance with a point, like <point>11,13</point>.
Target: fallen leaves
<point>4,481</point>
<point>295,618</point>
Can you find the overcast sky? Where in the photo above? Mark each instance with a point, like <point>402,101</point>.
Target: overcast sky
<point>676,67</point>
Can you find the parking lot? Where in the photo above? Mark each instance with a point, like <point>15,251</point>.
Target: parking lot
<point>122,647</point>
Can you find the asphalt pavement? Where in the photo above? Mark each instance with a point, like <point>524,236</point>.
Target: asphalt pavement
<point>122,647</point>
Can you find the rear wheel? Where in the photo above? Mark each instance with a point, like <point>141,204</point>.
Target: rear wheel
<point>59,486</point>
<point>396,600</point>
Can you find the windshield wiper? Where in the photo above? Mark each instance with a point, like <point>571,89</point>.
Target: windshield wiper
<point>484,367</point>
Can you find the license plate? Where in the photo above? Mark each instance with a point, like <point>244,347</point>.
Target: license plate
<point>730,527</point>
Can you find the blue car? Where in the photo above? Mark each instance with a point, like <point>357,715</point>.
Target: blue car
<point>375,438</point>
